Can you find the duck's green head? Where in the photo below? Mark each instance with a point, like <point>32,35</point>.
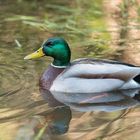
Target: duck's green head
<point>55,47</point>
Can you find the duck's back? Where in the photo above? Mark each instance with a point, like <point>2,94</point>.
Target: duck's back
<point>99,61</point>
<point>96,68</point>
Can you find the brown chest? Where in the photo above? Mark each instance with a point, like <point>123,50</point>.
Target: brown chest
<point>49,76</point>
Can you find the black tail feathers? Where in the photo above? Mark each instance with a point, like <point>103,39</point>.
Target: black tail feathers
<point>137,78</point>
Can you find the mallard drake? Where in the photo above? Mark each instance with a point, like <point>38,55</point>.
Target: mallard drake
<point>83,75</point>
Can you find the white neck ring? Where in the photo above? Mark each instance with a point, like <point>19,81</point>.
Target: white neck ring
<point>58,66</point>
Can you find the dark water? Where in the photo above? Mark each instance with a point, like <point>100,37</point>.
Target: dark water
<point>27,114</point>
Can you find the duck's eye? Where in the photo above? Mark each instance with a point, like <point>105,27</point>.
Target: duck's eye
<point>48,44</point>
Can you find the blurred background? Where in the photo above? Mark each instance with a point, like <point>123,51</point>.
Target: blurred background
<point>94,29</point>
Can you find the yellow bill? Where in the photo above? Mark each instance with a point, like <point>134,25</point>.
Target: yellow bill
<point>36,54</point>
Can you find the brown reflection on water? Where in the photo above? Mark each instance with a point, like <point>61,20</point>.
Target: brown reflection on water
<point>124,126</point>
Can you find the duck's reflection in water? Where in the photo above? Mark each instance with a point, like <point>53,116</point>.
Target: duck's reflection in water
<point>56,121</point>
<point>60,116</point>
<point>65,102</point>
<point>107,101</point>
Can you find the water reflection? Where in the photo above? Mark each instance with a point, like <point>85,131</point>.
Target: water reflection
<point>60,116</point>
<point>64,103</point>
<point>60,112</point>
<point>108,101</point>
<point>50,122</point>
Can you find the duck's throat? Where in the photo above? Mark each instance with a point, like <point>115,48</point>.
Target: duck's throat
<point>61,63</point>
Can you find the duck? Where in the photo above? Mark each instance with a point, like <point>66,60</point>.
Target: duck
<point>84,75</point>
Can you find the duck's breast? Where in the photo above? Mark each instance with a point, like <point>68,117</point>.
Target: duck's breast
<point>49,76</point>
